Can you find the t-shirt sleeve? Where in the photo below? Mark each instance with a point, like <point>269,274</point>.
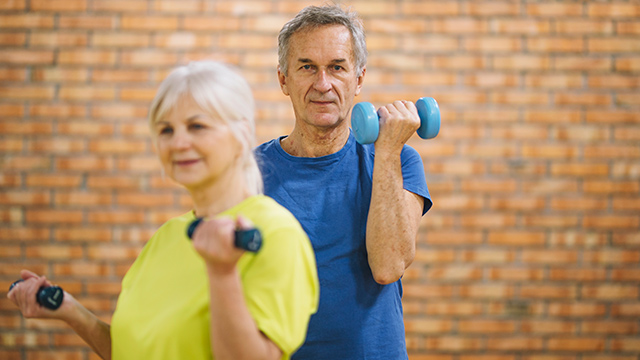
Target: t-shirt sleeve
<point>413,175</point>
<point>281,287</point>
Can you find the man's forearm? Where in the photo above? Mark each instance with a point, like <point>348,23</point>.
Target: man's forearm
<point>393,220</point>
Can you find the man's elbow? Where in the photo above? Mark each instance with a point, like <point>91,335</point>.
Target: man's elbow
<point>388,276</point>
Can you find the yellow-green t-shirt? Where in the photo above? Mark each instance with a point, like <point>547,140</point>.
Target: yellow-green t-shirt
<point>163,308</point>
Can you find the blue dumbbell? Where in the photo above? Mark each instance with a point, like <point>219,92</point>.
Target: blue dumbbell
<point>366,124</point>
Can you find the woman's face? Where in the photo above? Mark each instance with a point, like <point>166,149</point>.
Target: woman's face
<point>195,149</point>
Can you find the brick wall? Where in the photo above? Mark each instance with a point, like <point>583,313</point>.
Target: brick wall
<point>532,249</point>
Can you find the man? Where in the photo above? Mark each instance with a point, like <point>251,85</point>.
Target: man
<point>360,204</point>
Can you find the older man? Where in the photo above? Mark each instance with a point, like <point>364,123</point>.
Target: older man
<point>360,204</point>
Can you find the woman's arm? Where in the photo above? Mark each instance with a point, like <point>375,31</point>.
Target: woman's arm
<point>234,333</point>
<point>92,330</point>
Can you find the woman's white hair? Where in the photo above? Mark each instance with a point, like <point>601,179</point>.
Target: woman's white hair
<point>221,91</point>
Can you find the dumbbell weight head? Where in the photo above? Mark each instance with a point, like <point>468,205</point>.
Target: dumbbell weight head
<point>366,123</point>
<point>246,239</point>
<point>429,113</point>
<point>50,297</point>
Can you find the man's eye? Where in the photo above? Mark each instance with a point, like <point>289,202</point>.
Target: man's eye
<point>306,67</point>
<point>337,67</point>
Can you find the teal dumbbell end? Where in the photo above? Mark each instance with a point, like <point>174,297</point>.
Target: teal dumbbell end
<point>429,113</point>
<point>366,124</point>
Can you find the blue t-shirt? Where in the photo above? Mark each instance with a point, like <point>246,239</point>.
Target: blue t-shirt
<point>357,318</point>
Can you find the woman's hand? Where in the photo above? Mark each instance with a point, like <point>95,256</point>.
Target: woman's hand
<point>214,241</point>
<point>24,293</point>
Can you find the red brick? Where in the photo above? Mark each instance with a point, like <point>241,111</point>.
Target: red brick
<point>84,163</point>
<point>609,327</point>
<point>242,7</point>
<point>25,198</point>
<point>611,222</point>
<point>58,39</point>
<point>57,110</point>
<point>581,63</point>
<point>113,253</point>
<point>177,6</point>
<point>548,292</point>
<point>85,128</point>
<point>87,57</point>
<point>522,62</point>
<point>57,146</point>
<point>120,40</point>
<point>461,25</point>
<point>516,274</point>
<point>88,21</point>
<point>584,26</point>
<point>86,93</point>
<point>27,92</point>
<point>427,326</point>
<point>522,26</point>
<point>486,291</point>
<point>578,204</point>
<point>555,256</point>
<point>212,23</point>
<point>116,217</point>
<point>149,23</point>
<point>610,292</point>
<point>554,10</point>
<point>13,5</point>
<point>614,10</point>
<point>58,5</point>
<point>26,21</point>
<point>526,344</point>
<point>117,146</point>
<point>613,45</point>
<point>626,310</point>
<point>135,6</point>
<point>31,233</point>
<point>486,326</point>
<point>113,182</point>
<point>631,344</point>
<point>556,151</point>
<point>576,344</point>
<point>54,252</point>
<point>148,57</point>
<point>13,39</point>
<point>453,343</point>
<point>626,204</point>
<point>57,74</point>
<point>453,273</point>
<point>548,327</point>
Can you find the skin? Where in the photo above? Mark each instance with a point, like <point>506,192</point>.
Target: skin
<point>322,84</point>
<point>213,175</point>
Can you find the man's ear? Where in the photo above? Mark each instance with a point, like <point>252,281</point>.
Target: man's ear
<point>282,80</point>
<point>360,80</point>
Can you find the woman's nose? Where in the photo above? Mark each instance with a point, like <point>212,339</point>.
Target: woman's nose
<point>180,140</point>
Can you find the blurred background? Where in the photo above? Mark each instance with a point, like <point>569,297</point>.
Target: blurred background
<point>532,248</point>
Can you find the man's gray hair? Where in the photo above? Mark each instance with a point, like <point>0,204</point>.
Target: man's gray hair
<point>313,17</point>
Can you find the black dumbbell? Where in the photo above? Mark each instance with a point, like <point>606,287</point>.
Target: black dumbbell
<point>246,239</point>
<point>365,121</point>
<point>50,297</point>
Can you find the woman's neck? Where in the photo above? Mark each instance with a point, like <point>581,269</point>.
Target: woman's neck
<point>226,192</point>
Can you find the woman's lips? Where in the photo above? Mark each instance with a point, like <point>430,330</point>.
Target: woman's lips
<point>185,162</point>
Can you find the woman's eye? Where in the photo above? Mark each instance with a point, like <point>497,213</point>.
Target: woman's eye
<point>196,126</point>
<point>166,131</point>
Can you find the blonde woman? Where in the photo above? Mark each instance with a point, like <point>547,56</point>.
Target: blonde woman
<point>204,298</point>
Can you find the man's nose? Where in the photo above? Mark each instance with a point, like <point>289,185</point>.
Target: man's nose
<point>322,82</point>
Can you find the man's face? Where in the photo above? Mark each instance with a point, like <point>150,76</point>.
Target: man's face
<point>321,79</point>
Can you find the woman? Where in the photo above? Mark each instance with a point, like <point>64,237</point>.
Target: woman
<point>204,299</point>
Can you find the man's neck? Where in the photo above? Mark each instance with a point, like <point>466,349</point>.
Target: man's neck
<point>314,142</point>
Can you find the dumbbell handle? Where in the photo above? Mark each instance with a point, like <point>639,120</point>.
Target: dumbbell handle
<point>366,126</point>
<point>246,239</point>
<point>50,297</point>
